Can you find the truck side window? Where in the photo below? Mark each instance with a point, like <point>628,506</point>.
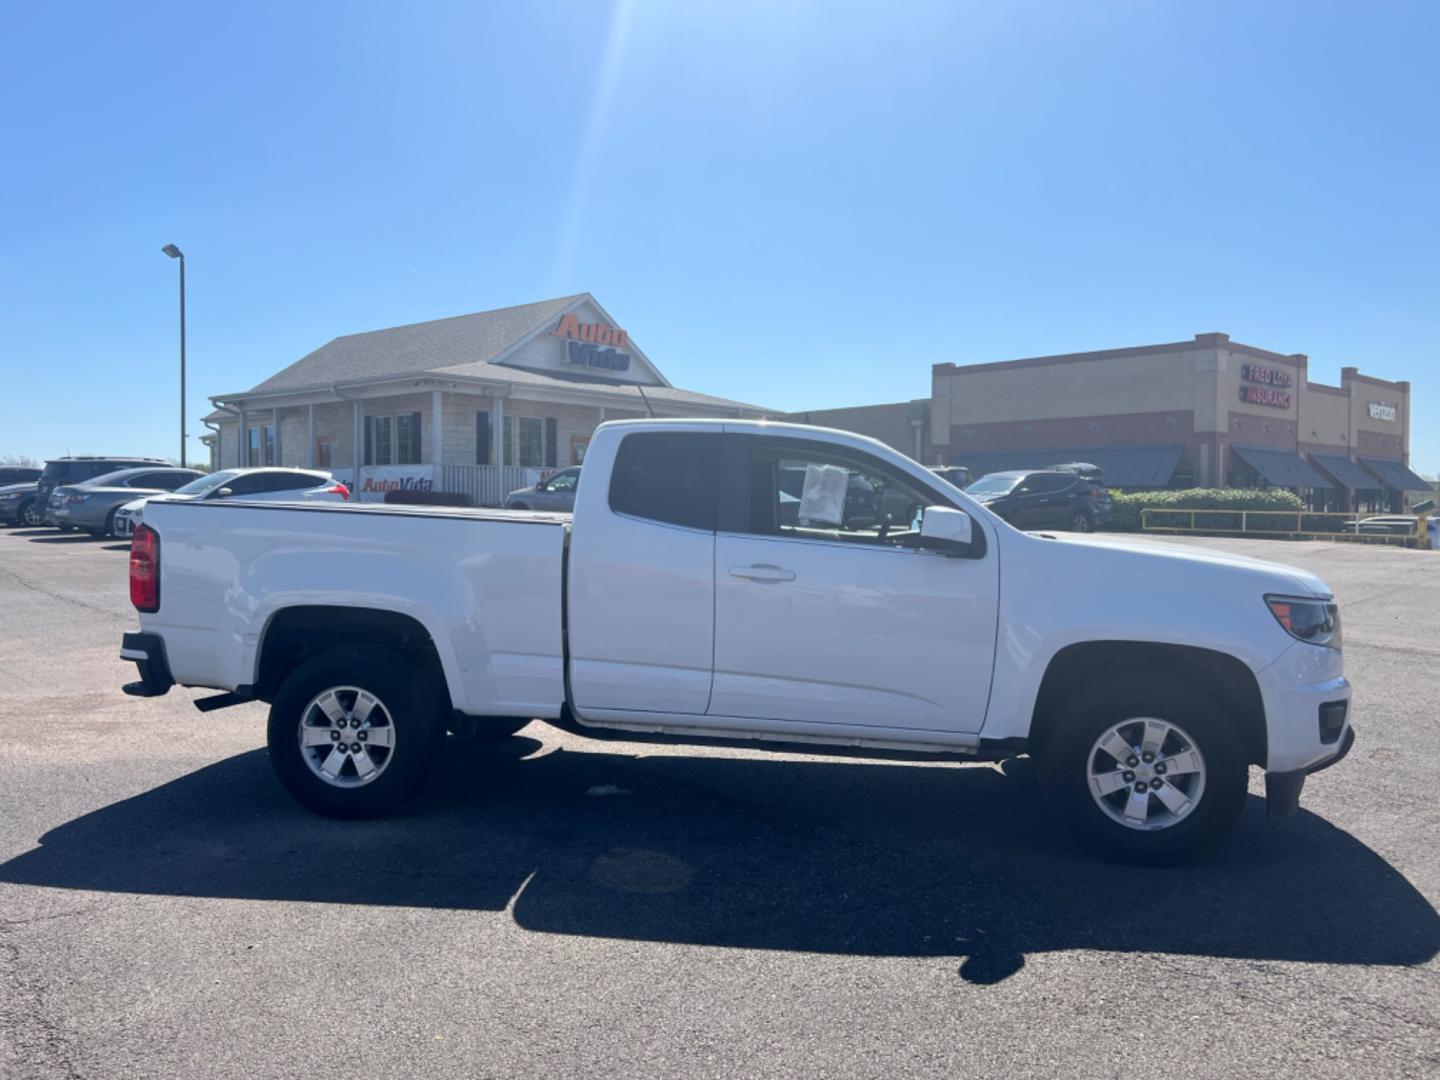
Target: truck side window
<point>816,492</point>
<point>669,476</point>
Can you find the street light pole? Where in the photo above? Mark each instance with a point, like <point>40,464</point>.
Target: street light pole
<point>175,253</point>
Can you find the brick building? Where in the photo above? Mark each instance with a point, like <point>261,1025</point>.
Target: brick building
<point>1209,412</point>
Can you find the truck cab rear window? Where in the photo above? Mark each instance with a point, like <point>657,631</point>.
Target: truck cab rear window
<point>669,476</point>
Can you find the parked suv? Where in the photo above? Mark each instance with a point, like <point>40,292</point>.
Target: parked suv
<point>76,470</point>
<point>1044,499</point>
<point>17,474</point>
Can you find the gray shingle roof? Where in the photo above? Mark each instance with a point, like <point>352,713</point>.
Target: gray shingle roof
<point>464,347</point>
<point>416,348</point>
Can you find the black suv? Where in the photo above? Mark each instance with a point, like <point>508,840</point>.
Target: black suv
<point>72,470</point>
<point>16,474</point>
<point>1044,499</point>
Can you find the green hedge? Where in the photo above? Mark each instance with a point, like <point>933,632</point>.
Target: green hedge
<point>1128,504</point>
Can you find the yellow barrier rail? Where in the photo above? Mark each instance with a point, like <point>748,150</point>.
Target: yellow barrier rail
<point>1404,530</point>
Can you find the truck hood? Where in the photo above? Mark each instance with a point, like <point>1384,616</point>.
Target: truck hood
<point>1113,549</point>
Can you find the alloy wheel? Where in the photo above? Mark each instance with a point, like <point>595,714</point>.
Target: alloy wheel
<point>347,736</point>
<point>1146,774</point>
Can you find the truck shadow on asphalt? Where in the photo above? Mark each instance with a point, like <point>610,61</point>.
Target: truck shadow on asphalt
<point>870,859</point>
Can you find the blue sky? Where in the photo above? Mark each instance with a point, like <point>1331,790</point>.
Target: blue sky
<point>799,204</point>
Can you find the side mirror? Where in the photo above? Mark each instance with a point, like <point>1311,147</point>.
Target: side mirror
<point>223,493</point>
<point>945,530</point>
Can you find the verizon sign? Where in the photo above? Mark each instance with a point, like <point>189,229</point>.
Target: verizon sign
<point>1383,410</point>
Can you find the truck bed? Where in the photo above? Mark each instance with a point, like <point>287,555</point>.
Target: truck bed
<point>485,585</point>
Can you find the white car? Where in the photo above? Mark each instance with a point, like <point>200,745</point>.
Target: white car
<point>683,601</point>
<point>251,485</point>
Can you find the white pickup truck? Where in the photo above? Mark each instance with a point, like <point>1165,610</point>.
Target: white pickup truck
<point>751,581</point>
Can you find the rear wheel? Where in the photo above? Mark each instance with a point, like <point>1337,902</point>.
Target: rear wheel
<point>1081,522</point>
<point>351,734</point>
<point>108,529</point>
<point>1145,770</point>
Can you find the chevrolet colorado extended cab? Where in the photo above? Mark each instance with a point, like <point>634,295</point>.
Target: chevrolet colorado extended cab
<point>692,597</point>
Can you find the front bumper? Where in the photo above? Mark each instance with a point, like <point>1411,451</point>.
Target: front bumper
<point>1298,688</point>
<point>1282,789</point>
<point>147,651</point>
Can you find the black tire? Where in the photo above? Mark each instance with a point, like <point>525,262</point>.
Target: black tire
<point>1064,766</point>
<point>29,516</point>
<point>108,529</point>
<point>1082,522</point>
<point>415,714</point>
<point>65,528</point>
<point>517,506</point>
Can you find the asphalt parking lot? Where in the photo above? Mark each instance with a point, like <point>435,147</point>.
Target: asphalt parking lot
<point>567,907</point>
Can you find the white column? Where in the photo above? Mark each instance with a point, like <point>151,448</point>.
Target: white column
<point>359,444</point>
<point>310,433</point>
<point>437,423</point>
<point>499,430</point>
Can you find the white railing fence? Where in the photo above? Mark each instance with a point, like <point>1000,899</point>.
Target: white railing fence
<point>487,484</point>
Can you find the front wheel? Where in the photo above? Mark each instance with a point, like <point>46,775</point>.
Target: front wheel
<point>1146,771</point>
<point>351,734</point>
<point>30,515</point>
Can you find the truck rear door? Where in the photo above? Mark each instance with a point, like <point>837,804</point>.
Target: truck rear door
<point>641,588</point>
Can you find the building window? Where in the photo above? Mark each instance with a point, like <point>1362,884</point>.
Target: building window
<point>532,453</point>
<point>324,452</point>
<point>482,437</point>
<point>261,450</point>
<point>552,438</point>
<point>578,445</point>
<point>392,440</point>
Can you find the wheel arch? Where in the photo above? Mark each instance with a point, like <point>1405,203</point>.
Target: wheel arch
<point>1225,677</point>
<point>295,634</point>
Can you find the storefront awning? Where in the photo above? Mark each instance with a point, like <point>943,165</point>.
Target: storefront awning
<point>1396,475</point>
<point>1344,471</point>
<point>1123,466</point>
<point>1281,467</point>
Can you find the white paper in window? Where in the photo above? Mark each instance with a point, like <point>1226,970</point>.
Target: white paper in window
<point>822,502</point>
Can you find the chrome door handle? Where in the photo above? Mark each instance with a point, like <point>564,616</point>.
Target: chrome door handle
<point>762,572</point>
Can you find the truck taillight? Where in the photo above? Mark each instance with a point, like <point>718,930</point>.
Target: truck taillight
<point>339,489</point>
<point>145,569</point>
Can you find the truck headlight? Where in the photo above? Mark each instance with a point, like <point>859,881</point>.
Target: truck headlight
<point>1308,619</point>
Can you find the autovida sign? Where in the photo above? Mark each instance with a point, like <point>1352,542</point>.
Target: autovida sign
<point>1267,386</point>
<point>593,345</point>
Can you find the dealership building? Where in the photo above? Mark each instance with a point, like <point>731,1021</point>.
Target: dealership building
<point>480,404</point>
<point>1209,412</point>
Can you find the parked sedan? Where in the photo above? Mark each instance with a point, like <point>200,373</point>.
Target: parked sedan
<point>91,506</point>
<point>555,492</point>
<point>1044,499</point>
<point>18,505</point>
<point>251,485</point>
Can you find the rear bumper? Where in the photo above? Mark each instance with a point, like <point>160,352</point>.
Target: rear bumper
<point>147,652</point>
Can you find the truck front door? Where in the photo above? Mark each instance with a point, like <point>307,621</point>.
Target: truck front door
<point>821,622</point>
